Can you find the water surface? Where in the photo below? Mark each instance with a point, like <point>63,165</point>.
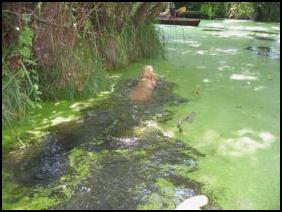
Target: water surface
<point>109,153</point>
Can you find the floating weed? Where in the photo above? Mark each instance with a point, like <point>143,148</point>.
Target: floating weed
<point>98,162</point>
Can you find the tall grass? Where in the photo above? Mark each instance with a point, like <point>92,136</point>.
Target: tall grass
<point>77,70</point>
<point>19,95</point>
<point>20,90</point>
<point>80,74</point>
<point>82,71</point>
<point>149,43</point>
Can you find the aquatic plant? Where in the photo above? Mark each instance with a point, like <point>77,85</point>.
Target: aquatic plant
<point>104,147</point>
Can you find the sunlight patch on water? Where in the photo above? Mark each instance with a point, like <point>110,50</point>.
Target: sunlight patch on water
<point>201,67</point>
<point>244,131</point>
<point>236,21</point>
<point>152,123</point>
<point>242,77</point>
<point>229,34</point>
<point>209,138</point>
<point>227,51</point>
<point>61,119</point>
<point>104,93</point>
<point>216,25</point>
<point>79,105</point>
<point>196,45</point>
<point>266,136</point>
<point>201,52</point>
<point>244,145</point>
<point>275,27</point>
<point>127,141</point>
<point>250,65</point>
<point>250,28</point>
<point>57,103</point>
<point>191,42</point>
<point>258,88</point>
<point>114,76</point>
<point>213,54</point>
<point>223,68</point>
<point>169,134</point>
<point>185,52</point>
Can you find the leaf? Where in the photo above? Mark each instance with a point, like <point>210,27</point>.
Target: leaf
<point>36,87</point>
<point>30,103</point>
<point>38,92</point>
<point>25,52</point>
<point>87,27</point>
<point>26,36</point>
<point>30,62</point>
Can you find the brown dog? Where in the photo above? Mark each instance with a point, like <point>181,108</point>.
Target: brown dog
<point>142,91</point>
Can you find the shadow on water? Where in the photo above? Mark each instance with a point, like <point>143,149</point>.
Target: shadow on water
<point>265,38</point>
<point>220,29</point>
<point>138,157</point>
<point>264,51</point>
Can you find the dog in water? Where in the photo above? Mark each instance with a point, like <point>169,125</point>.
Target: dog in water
<point>143,90</point>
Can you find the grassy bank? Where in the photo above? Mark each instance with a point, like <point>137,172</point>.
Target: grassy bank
<point>68,57</point>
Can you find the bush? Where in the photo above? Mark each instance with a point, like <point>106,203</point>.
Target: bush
<point>64,49</point>
<point>240,10</point>
<point>213,10</point>
<point>20,90</point>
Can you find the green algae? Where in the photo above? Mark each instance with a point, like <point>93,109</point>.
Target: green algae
<point>209,60</point>
<point>231,114</point>
<point>42,165</point>
<point>163,199</point>
<point>225,107</point>
<point>17,197</point>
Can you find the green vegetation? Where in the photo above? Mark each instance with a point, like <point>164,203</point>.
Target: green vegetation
<point>16,196</point>
<point>49,56</point>
<point>259,11</point>
<point>47,69</point>
<point>212,10</point>
<point>163,199</point>
<point>240,10</point>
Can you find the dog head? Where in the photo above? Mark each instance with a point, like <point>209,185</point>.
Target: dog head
<point>148,73</point>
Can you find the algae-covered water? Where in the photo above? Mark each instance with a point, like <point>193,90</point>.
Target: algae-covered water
<point>109,153</point>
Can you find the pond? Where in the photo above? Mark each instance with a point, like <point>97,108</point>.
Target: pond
<point>211,127</point>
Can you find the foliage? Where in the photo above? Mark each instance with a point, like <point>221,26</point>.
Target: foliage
<point>213,9</point>
<point>260,11</point>
<point>149,43</point>
<point>267,11</point>
<point>20,89</point>
<point>240,10</point>
<point>64,49</point>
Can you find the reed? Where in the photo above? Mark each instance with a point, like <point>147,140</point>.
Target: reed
<point>68,57</point>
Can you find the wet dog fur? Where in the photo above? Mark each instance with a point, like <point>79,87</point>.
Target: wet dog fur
<point>143,90</point>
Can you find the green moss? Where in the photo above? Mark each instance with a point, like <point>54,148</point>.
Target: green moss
<point>153,202</point>
<point>17,197</point>
<point>79,162</point>
<point>164,199</point>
